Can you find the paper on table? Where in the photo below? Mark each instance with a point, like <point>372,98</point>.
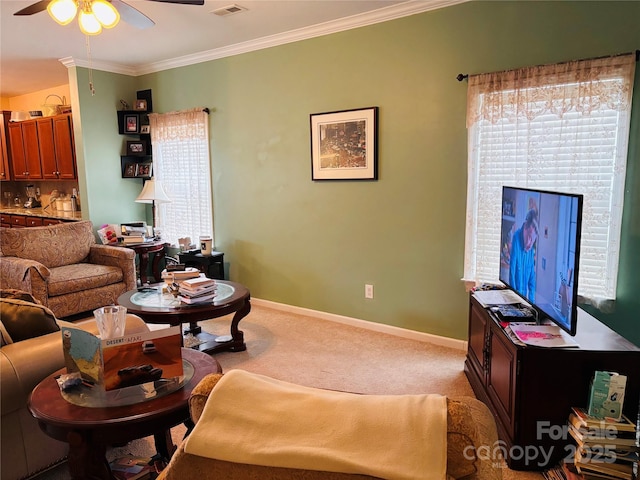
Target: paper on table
<point>496,297</point>
<point>549,336</point>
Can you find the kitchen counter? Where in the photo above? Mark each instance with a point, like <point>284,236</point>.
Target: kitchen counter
<point>41,212</point>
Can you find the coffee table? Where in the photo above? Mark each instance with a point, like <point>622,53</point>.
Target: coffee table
<point>89,430</point>
<point>153,306</point>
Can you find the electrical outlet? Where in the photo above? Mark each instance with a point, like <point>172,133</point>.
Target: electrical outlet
<point>368,291</point>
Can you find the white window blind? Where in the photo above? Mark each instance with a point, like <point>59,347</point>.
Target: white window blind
<point>182,164</point>
<point>561,127</point>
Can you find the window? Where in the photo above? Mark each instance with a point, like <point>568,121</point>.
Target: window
<point>181,163</point>
<point>561,127</point>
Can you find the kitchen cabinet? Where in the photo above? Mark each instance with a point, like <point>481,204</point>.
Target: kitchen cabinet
<point>530,390</point>
<point>57,153</point>
<point>4,151</point>
<point>43,148</point>
<point>25,153</point>
<point>22,221</point>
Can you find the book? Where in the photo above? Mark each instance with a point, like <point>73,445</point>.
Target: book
<point>131,239</point>
<point>178,276</point>
<point>133,468</point>
<point>195,283</point>
<point>605,469</point>
<point>198,292</point>
<point>608,442</point>
<point>195,300</point>
<point>581,419</point>
<point>606,432</point>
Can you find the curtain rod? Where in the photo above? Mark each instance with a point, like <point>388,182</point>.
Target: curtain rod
<point>463,76</point>
<point>206,110</point>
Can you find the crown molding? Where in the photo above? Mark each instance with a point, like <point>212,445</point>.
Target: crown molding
<point>411,7</point>
<point>103,66</point>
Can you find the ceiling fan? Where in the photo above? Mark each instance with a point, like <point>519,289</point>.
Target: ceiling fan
<point>128,13</point>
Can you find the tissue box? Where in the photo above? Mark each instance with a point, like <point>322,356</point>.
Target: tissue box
<point>607,395</point>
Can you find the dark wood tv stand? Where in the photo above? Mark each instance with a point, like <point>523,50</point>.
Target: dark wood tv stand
<point>530,390</point>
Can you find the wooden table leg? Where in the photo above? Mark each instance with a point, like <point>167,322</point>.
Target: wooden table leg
<point>87,459</point>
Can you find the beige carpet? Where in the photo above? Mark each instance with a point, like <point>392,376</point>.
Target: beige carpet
<point>324,354</point>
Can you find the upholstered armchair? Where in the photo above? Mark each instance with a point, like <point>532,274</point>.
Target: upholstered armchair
<point>64,268</point>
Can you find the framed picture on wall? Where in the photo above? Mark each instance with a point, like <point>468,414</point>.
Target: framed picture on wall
<point>136,148</point>
<point>344,145</point>
<point>131,123</point>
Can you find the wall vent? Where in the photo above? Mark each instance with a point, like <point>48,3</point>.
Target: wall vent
<point>228,10</point>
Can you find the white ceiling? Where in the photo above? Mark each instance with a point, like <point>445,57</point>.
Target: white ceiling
<point>31,46</point>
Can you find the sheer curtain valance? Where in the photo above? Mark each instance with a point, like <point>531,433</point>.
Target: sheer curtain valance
<point>182,164</point>
<point>562,127</point>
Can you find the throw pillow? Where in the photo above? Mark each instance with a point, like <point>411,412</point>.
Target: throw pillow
<point>22,319</point>
<point>18,294</point>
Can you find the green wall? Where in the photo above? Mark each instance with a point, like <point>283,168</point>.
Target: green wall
<point>315,244</point>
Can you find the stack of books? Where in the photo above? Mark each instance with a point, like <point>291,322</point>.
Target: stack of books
<point>605,449</point>
<point>133,468</point>
<point>133,239</point>
<point>197,290</point>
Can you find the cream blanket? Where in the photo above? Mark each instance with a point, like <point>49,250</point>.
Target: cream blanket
<point>258,420</point>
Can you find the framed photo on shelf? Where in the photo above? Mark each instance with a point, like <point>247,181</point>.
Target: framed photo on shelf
<point>344,145</point>
<point>145,129</point>
<point>144,169</point>
<point>140,105</point>
<point>131,123</point>
<point>130,170</point>
<point>136,148</point>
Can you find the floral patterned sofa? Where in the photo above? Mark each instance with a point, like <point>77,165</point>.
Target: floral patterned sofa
<point>64,268</point>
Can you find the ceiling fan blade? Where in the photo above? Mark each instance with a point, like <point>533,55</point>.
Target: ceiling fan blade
<point>183,2</point>
<point>34,8</point>
<point>132,15</point>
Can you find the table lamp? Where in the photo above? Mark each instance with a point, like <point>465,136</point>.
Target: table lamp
<point>152,192</point>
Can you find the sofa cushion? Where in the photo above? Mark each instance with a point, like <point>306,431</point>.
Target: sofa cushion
<point>82,276</point>
<point>52,246</point>
<point>22,320</point>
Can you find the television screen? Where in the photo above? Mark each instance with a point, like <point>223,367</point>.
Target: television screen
<point>540,250</point>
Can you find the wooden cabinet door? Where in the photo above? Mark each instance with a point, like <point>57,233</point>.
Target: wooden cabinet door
<point>4,151</point>
<point>478,330</point>
<point>502,377</point>
<point>31,149</point>
<point>47,149</point>
<point>64,147</point>
<point>16,147</point>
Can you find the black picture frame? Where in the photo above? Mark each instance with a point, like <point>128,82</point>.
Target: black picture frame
<point>137,148</point>
<point>131,123</point>
<point>130,170</point>
<point>144,170</point>
<point>344,145</point>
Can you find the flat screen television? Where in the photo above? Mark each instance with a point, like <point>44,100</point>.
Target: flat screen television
<point>540,251</point>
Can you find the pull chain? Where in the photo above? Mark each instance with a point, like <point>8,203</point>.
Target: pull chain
<point>93,90</point>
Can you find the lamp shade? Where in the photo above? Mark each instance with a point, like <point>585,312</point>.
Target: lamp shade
<point>153,192</point>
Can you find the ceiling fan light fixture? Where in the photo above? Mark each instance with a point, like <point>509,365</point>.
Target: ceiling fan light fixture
<point>106,14</point>
<point>89,24</point>
<point>62,11</point>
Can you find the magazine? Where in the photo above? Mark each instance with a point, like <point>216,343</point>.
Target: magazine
<point>548,336</point>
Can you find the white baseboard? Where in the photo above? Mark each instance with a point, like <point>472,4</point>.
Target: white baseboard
<point>355,322</point>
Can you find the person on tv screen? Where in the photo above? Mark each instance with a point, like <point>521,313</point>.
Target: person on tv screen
<point>522,269</point>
